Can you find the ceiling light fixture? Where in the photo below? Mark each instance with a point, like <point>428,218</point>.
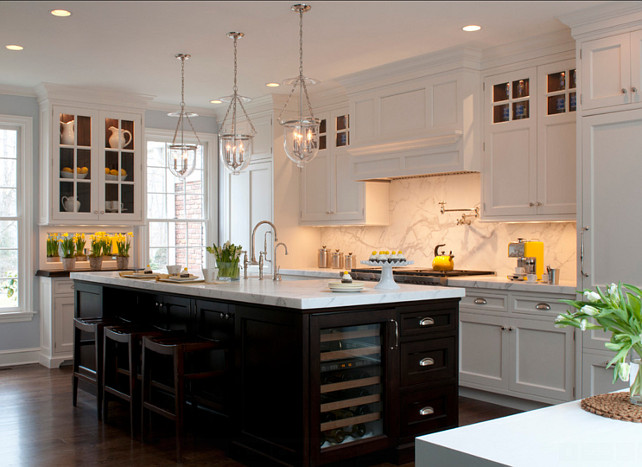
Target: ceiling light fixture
<point>181,157</point>
<point>61,13</point>
<point>471,28</point>
<point>302,133</point>
<point>235,146</point>
<point>14,47</point>
<point>272,85</point>
<point>216,101</point>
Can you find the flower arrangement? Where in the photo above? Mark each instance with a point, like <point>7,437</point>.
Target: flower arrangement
<point>67,246</point>
<point>79,240</point>
<point>52,245</point>
<point>618,310</point>
<point>227,258</point>
<point>123,243</point>
<point>96,245</point>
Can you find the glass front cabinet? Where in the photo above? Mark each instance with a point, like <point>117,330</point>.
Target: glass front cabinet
<point>94,167</point>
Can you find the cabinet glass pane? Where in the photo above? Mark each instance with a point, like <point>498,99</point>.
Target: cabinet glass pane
<point>556,81</point>
<point>119,134</point>
<point>351,386</point>
<point>74,159</point>
<point>556,104</point>
<point>323,142</point>
<point>520,88</point>
<point>501,92</point>
<point>572,103</point>
<point>572,83</point>
<point>520,110</point>
<point>342,122</point>
<point>500,113</point>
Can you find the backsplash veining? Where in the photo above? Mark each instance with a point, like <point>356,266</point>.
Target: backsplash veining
<point>416,226</point>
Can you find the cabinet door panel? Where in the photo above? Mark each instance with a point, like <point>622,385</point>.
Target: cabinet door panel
<point>63,324</point>
<point>556,190</point>
<point>542,360</point>
<point>349,194</point>
<point>605,71</point>
<point>483,354</point>
<point>636,66</point>
<point>596,379</point>
<point>316,194</point>
<point>403,112</point>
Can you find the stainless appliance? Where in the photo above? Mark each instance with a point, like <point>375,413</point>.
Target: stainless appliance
<point>416,276</point>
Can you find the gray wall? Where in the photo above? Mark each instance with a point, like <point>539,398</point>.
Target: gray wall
<point>159,120</point>
<point>25,335</point>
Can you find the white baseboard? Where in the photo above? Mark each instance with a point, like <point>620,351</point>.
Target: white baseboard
<point>53,362</point>
<point>19,357</point>
<point>500,399</point>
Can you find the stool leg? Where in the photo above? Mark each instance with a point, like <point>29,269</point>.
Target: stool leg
<point>179,402</point>
<point>108,367</point>
<point>133,370</point>
<point>99,344</point>
<point>76,364</point>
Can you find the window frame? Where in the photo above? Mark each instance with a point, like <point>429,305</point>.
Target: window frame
<point>25,199</point>
<point>210,192</point>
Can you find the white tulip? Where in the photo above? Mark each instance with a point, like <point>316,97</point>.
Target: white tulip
<point>625,369</point>
<point>591,296</point>
<point>590,310</point>
<point>583,324</point>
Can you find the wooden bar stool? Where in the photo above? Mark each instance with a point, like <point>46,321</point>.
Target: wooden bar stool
<point>121,367</point>
<point>186,368</point>
<point>94,376</point>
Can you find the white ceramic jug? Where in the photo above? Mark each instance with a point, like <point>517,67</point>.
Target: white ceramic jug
<point>70,204</point>
<point>67,132</point>
<point>117,138</point>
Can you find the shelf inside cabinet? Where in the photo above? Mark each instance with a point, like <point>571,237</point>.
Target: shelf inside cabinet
<point>347,353</point>
<point>349,421</point>
<point>342,404</point>
<point>343,335</point>
<point>354,383</point>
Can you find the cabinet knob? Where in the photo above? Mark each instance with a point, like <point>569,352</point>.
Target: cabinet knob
<point>102,212</point>
<point>423,322</point>
<point>510,329</point>
<point>96,212</point>
<point>426,362</point>
<point>480,301</point>
<point>531,204</point>
<point>503,328</point>
<point>538,204</point>
<point>623,90</point>
<point>634,89</point>
<point>426,411</point>
<point>543,306</point>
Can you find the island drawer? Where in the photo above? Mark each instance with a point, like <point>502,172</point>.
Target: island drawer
<point>548,305</point>
<point>428,361</point>
<point>425,322</point>
<point>427,411</point>
<point>480,300</point>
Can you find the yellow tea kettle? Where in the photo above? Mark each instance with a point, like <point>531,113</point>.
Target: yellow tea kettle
<point>443,262</point>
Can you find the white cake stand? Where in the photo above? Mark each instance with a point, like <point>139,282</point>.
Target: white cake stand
<point>387,281</point>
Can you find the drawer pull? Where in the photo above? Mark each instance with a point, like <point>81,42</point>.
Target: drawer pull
<point>426,322</point>
<point>480,301</point>
<point>426,411</point>
<point>543,306</point>
<point>426,361</point>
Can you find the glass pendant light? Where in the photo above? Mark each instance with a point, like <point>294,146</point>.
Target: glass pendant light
<point>181,157</point>
<point>235,146</point>
<point>301,133</point>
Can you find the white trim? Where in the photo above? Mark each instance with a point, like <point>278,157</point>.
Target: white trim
<point>19,357</point>
<point>25,217</point>
<point>10,90</point>
<point>16,316</point>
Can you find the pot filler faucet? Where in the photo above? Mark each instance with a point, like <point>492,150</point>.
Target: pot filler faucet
<point>275,273</point>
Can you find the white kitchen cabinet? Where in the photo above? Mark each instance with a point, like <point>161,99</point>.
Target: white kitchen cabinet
<point>529,151</point>
<point>56,320</point>
<point>596,379</point>
<point>611,71</point>
<point>509,345</point>
<point>79,142</point>
<point>329,195</point>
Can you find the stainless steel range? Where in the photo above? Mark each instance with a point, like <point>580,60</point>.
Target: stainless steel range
<point>416,276</point>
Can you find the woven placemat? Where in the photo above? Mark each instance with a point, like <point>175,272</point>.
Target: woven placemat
<point>616,406</point>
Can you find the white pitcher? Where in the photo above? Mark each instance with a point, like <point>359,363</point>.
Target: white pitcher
<point>117,138</point>
<point>70,204</point>
<point>67,132</point>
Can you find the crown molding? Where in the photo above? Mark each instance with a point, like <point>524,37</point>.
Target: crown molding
<point>94,95</point>
<point>603,19</point>
<point>9,90</point>
<point>165,107</point>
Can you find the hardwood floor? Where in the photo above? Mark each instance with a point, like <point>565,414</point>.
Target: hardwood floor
<point>40,427</point>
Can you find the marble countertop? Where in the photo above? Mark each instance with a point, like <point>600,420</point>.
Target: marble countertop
<point>299,294</point>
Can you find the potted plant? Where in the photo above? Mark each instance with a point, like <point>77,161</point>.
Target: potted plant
<point>106,242</point>
<point>96,252</point>
<point>227,260</point>
<point>79,240</point>
<point>123,243</point>
<point>617,310</point>
<point>67,251</point>
<point>52,247</point>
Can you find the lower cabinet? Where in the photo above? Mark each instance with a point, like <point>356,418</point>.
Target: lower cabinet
<point>514,350</point>
<point>56,321</point>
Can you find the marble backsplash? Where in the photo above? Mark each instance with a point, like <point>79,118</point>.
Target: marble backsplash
<point>416,226</point>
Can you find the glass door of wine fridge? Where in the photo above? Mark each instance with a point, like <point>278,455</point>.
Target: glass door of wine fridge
<point>352,366</point>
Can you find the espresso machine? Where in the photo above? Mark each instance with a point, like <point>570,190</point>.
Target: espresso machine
<point>530,259</point>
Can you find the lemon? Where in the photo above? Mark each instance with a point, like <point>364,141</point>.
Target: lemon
<point>79,170</point>
<point>123,172</point>
<point>84,170</point>
<point>67,169</point>
<point>107,170</point>
<point>113,172</point>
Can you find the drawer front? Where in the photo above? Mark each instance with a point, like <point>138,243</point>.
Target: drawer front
<point>547,305</point>
<point>427,322</point>
<point>482,301</point>
<point>429,361</point>
<point>430,410</point>
<point>63,286</point>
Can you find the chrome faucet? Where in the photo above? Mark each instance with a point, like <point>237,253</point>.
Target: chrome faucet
<point>253,260</point>
<point>276,276</point>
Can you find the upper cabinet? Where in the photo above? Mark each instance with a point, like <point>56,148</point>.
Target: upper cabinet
<point>612,71</point>
<point>529,145</point>
<point>91,164</point>
<point>329,195</point>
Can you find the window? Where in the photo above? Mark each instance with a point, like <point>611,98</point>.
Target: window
<point>179,215</point>
<point>15,215</point>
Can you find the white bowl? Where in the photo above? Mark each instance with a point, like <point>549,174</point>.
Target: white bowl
<point>174,269</point>
<point>115,177</point>
<point>71,175</point>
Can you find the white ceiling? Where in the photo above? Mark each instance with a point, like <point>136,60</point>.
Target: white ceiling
<point>130,45</point>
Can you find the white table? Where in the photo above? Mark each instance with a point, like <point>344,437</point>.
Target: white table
<point>560,435</point>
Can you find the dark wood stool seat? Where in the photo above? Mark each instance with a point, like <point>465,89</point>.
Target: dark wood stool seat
<point>185,369</point>
<point>83,372</point>
<point>121,367</point>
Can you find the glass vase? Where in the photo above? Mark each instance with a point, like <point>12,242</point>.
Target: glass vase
<point>228,271</point>
<point>635,381</point>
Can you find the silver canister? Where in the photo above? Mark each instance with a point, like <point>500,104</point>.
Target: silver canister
<point>323,257</point>
<point>349,261</point>
<point>553,275</point>
<point>337,259</point>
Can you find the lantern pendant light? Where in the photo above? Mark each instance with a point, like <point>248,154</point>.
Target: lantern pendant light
<point>301,142</point>
<point>181,157</point>
<point>235,146</point>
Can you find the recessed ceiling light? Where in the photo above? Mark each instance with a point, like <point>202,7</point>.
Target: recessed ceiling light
<point>14,47</point>
<point>471,27</point>
<point>61,13</point>
<point>216,101</point>
<point>272,85</point>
